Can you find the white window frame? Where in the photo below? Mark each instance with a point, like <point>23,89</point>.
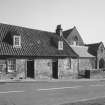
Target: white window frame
<point>11,65</point>
<point>14,41</point>
<point>60,45</point>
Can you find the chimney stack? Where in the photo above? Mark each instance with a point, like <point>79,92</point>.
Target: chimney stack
<point>59,30</point>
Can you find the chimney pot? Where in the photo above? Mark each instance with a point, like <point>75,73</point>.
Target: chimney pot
<point>59,27</point>
<point>59,30</point>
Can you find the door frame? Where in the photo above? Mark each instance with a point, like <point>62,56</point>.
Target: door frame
<point>34,67</point>
<point>56,76</point>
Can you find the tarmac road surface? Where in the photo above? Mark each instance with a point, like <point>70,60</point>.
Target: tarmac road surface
<point>50,92</point>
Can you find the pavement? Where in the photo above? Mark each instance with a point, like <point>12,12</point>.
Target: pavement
<point>47,80</point>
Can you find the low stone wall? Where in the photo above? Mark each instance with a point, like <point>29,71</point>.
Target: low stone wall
<point>97,74</point>
<point>68,75</point>
<point>94,74</point>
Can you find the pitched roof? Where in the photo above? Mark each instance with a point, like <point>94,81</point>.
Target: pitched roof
<point>71,34</point>
<point>34,43</point>
<point>67,32</point>
<point>92,48</point>
<point>81,51</point>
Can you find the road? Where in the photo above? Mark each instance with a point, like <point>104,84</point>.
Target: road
<point>50,93</point>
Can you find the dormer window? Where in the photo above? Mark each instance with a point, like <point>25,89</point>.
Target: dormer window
<point>60,45</point>
<point>17,41</point>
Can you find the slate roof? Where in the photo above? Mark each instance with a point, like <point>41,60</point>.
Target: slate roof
<point>92,48</point>
<point>82,51</point>
<point>35,43</point>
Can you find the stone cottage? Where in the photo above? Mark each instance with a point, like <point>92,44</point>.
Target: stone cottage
<point>29,53</point>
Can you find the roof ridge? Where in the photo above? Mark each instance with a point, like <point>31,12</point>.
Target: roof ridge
<point>94,43</point>
<point>67,32</point>
<point>68,29</point>
<point>35,43</point>
<point>25,27</point>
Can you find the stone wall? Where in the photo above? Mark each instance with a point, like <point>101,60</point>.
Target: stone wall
<point>21,68</point>
<point>67,68</point>
<point>64,68</point>
<point>97,74</point>
<point>2,69</point>
<point>43,68</point>
<point>71,37</point>
<point>19,73</point>
<point>94,74</point>
<point>74,67</point>
<point>86,64</point>
<point>4,74</point>
<point>100,54</point>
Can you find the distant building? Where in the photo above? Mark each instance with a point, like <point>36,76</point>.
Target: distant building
<point>98,50</point>
<point>86,50</point>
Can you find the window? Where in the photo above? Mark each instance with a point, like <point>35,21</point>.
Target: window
<point>75,40</point>
<point>2,66</point>
<point>11,65</point>
<point>101,49</point>
<point>17,41</point>
<point>68,64</point>
<point>60,45</point>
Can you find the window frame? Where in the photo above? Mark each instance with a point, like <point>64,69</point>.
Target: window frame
<point>11,65</point>
<point>60,45</point>
<point>19,41</point>
<point>75,40</point>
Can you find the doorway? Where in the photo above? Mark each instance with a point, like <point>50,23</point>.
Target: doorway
<point>30,68</point>
<point>55,69</point>
<point>101,63</point>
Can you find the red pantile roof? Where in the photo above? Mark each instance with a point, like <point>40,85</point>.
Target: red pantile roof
<point>34,43</point>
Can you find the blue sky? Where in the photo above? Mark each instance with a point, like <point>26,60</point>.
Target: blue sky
<point>87,15</point>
